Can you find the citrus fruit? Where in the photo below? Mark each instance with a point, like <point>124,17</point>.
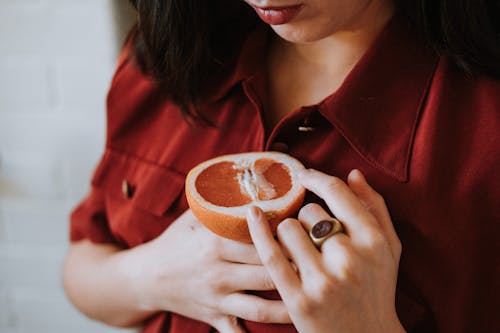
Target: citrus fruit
<point>219,191</point>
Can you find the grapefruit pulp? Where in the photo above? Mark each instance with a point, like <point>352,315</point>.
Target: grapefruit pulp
<point>220,190</point>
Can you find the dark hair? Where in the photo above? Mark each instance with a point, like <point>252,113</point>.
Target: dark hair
<point>466,31</point>
<point>178,42</point>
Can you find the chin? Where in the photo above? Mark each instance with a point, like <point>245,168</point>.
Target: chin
<point>298,34</point>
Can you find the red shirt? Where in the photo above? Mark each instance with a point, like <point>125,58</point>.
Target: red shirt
<point>424,134</point>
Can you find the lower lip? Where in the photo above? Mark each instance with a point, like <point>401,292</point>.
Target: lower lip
<point>278,15</point>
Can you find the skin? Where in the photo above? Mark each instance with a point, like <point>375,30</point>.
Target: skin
<point>310,57</point>
<point>320,20</point>
<point>124,287</point>
<point>308,60</point>
<point>348,285</point>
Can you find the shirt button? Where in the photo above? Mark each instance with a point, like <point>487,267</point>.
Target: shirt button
<point>306,126</point>
<point>279,146</point>
<point>127,189</point>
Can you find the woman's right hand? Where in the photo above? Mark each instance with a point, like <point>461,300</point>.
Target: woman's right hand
<point>193,272</point>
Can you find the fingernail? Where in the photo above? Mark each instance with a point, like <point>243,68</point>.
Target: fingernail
<point>354,173</point>
<point>358,175</point>
<point>253,213</point>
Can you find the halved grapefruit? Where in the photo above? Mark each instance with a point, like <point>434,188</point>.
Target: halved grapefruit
<point>219,191</point>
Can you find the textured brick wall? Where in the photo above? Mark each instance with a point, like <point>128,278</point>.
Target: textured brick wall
<point>56,61</point>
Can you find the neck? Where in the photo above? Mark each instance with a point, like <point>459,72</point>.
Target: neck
<point>339,52</point>
<point>305,73</point>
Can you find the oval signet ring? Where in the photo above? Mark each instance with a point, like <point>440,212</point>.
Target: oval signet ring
<point>324,229</point>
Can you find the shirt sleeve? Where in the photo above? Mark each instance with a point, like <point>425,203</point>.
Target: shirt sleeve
<point>89,220</point>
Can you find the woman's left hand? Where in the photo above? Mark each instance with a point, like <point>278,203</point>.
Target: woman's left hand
<point>348,285</point>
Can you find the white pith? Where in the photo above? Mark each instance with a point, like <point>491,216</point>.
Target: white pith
<point>251,181</point>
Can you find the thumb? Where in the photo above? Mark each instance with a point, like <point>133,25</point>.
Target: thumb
<point>228,324</point>
<point>375,204</point>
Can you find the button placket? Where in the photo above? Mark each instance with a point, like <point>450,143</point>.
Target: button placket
<point>306,126</point>
<point>286,127</point>
<point>127,189</point>
<point>279,146</point>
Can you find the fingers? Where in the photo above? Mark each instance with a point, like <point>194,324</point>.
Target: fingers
<point>375,204</point>
<point>228,324</point>
<point>360,225</point>
<point>335,246</point>
<point>238,252</point>
<point>245,277</point>
<point>254,308</point>
<point>312,213</point>
<point>296,242</point>
<point>271,255</point>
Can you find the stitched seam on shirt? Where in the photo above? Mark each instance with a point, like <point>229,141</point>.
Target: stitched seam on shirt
<point>356,145</point>
<point>141,158</point>
<point>421,105</point>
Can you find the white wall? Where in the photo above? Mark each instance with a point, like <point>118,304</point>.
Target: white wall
<point>56,61</point>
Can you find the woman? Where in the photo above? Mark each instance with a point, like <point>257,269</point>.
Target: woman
<point>403,92</point>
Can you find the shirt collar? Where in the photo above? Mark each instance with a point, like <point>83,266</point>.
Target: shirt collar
<point>249,60</point>
<point>377,107</point>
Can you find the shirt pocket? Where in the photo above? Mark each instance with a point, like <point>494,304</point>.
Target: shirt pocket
<point>142,197</point>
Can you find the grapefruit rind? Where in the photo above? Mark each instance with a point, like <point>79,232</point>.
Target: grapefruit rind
<point>230,222</point>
